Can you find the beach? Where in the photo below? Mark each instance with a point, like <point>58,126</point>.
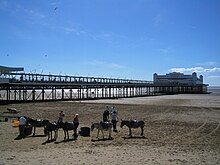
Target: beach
<point>179,129</point>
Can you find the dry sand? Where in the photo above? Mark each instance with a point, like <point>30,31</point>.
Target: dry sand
<point>180,129</point>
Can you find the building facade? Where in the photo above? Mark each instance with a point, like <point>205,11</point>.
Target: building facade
<point>4,69</point>
<point>176,78</point>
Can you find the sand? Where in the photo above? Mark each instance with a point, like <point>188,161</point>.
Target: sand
<point>180,129</point>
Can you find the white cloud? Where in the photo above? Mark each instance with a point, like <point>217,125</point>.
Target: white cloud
<point>214,77</point>
<point>166,51</point>
<point>55,3</point>
<point>158,19</point>
<point>215,69</point>
<point>75,30</point>
<point>111,37</point>
<point>79,30</point>
<point>32,15</point>
<point>191,26</point>
<point>198,69</point>
<point>208,63</point>
<point>116,66</point>
<point>104,64</point>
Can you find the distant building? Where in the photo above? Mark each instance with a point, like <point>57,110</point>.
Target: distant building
<point>178,79</point>
<point>4,69</point>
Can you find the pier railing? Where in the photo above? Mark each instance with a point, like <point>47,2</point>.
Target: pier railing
<point>49,78</point>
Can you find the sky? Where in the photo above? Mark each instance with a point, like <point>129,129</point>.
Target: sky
<point>112,38</point>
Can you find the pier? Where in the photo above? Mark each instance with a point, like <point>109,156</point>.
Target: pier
<point>27,87</point>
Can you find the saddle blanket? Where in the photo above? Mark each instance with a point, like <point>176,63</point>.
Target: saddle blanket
<point>104,125</point>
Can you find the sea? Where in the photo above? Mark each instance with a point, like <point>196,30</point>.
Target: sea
<point>215,90</point>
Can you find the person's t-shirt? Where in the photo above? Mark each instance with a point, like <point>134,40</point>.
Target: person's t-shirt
<point>114,116</point>
<point>22,121</point>
<point>106,113</point>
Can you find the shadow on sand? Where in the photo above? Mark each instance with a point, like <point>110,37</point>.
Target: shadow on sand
<point>105,139</point>
<point>64,141</point>
<point>134,137</point>
<point>48,141</point>
<point>19,137</point>
<point>38,136</point>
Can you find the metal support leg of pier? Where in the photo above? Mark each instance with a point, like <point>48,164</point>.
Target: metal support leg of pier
<point>62,95</point>
<point>33,95</point>
<point>43,93</point>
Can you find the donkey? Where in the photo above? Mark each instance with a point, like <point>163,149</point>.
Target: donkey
<point>37,123</point>
<point>48,130</point>
<point>67,126</point>
<point>133,124</point>
<point>102,126</point>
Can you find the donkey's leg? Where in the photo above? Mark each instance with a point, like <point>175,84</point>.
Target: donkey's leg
<point>48,136</point>
<point>44,129</point>
<point>130,134</point>
<point>75,133</point>
<point>102,134</point>
<point>110,132</point>
<point>34,130</point>
<point>56,134</point>
<point>142,131</point>
<point>51,135</point>
<point>97,134</point>
<point>67,134</point>
<point>64,134</point>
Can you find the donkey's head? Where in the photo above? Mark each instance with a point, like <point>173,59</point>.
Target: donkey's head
<point>92,127</point>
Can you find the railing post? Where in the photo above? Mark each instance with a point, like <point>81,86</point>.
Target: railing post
<point>71,94</point>
<point>62,94</point>
<point>43,92</point>
<point>8,93</point>
<point>24,94</point>
<point>15,93</point>
<point>19,93</point>
<point>33,95</point>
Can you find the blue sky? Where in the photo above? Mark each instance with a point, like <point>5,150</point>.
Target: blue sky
<point>112,38</point>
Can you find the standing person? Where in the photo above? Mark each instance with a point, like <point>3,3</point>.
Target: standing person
<point>76,124</point>
<point>114,117</point>
<point>61,116</point>
<point>22,123</point>
<point>106,115</point>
